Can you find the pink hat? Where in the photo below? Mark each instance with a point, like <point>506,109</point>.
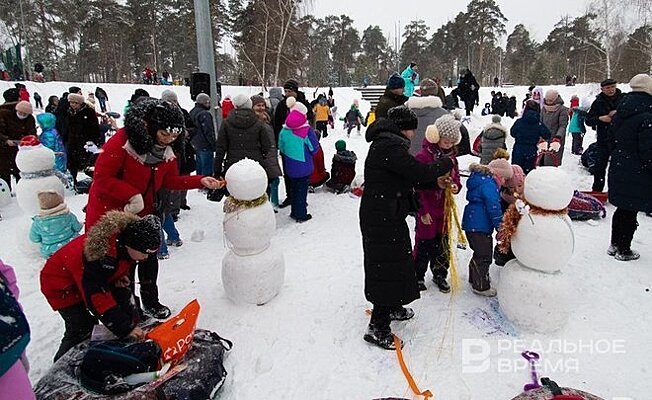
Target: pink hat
<point>502,168</point>
<point>297,117</point>
<point>517,179</point>
<point>25,107</point>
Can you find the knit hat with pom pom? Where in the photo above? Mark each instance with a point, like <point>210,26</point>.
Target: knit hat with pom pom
<point>241,101</point>
<point>445,127</point>
<point>297,118</point>
<point>501,167</point>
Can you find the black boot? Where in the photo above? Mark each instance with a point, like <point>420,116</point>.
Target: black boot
<point>442,285</point>
<point>381,338</point>
<point>150,303</point>
<point>285,203</point>
<point>401,314</point>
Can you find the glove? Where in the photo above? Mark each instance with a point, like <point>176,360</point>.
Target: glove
<point>555,145</point>
<point>542,146</point>
<point>135,205</point>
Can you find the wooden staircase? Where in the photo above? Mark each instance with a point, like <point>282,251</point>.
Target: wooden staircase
<point>371,93</point>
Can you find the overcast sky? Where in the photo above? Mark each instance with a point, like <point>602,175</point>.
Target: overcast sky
<point>538,17</point>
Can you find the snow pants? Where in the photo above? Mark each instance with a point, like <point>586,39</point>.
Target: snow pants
<point>433,252</point>
<point>482,245</point>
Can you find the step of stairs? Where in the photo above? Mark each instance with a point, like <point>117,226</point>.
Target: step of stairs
<point>371,93</point>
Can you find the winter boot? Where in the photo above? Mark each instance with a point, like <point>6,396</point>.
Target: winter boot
<point>308,217</point>
<point>150,303</point>
<point>442,285</point>
<point>628,255</point>
<point>382,339</point>
<point>285,203</point>
<point>401,314</point>
<point>175,243</point>
<point>491,292</point>
<point>612,250</point>
<point>163,256</point>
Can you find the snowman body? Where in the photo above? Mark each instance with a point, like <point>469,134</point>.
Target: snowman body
<point>36,165</point>
<point>533,290</point>
<point>253,270</point>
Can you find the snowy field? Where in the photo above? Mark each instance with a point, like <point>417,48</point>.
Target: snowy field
<point>307,342</point>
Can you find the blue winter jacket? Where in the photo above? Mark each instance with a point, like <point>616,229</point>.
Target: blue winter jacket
<point>411,79</point>
<point>483,212</point>
<point>53,232</point>
<point>51,139</point>
<point>527,131</point>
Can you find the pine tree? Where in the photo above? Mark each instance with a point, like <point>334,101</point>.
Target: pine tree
<point>520,54</point>
<point>486,24</point>
<point>416,40</point>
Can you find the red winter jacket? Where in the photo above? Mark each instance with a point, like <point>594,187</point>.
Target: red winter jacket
<point>227,107</point>
<point>120,174</point>
<point>24,94</point>
<point>70,277</point>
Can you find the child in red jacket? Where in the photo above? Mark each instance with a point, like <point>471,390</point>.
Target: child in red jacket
<point>431,241</point>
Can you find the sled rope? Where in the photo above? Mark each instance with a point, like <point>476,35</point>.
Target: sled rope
<point>415,389</point>
<point>453,230</point>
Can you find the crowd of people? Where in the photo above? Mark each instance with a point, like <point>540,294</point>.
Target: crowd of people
<point>142,173</point>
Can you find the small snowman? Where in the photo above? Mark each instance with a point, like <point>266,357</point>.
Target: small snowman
<point>533,291</point>
<point>5,195</point>
<point>37,173</point>
<point>253,269</point>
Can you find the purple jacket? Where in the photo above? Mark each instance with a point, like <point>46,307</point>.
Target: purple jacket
<point>431,201</point>
<point>14,384</point>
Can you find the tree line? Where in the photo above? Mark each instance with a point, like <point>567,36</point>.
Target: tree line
<point>272,40</point>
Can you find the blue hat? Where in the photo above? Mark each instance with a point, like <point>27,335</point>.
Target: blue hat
<point>395,82</point>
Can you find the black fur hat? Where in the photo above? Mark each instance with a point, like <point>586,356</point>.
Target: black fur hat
<point>403,117</point>
<point>11,95</point>
<point>146,117</point>
<point>143,235</point>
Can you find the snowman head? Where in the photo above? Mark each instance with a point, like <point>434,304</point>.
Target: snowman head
<point>548,188</point>
<point>33,156</point>
<point>246,180</point>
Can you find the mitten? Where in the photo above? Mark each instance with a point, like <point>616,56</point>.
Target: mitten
<point>555,145</point>
<point>542,146</point>
<point>135,205</point>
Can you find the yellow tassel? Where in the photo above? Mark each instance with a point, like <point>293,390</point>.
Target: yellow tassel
<point>453,230</point>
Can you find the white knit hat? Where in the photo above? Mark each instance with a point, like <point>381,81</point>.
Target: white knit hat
<point>445,126</point>
<point>294,105</point>
<point>641,83</point>
<point>241,101</point>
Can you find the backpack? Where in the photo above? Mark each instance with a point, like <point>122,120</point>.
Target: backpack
<point>14,330</point>
<point>106,364</point>
<point>589,157</point>
<point>584,207</point>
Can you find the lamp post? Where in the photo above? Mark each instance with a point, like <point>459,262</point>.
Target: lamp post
<point>205,50</point>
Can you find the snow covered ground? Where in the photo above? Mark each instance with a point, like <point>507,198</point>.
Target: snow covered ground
<point>307,342</point>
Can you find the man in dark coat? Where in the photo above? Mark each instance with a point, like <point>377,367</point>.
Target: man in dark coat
<point>390,176</point>
<point>12,129</point>
<point>630,172</point>
<point>203,140</point>
<point>469,88</point>
<point>392,97</point>
<point>83,127</point>
<point>599,118</point>
<point>291,89</point>
<point>63,112</point>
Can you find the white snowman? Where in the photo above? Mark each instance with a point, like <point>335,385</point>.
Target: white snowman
<point>36,165</point>
<point>533,291</point>
<point>253,269</point>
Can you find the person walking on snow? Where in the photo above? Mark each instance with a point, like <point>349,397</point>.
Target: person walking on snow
<point>411,78</point>
<point>392,97</point>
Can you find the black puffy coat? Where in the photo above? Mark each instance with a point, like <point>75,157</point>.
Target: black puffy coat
<point>389,100</point>
<point>630,171</point>
<point>281,113</point>
<point>83,127</point>
<point>390,174</point>
<point>603,105</point>
<point>242,135</point>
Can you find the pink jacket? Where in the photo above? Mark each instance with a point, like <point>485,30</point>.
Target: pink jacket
<point>14,384</point>
<point>431,201</point>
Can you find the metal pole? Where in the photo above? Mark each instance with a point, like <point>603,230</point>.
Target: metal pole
<point>24,41</point>
<point>205,50</point>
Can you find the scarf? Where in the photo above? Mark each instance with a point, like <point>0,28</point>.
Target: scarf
<point>61,209</point>
<point>552,108</point>
<point>156,155</point>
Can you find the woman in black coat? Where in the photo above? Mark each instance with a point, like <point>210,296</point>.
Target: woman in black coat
<point>83,127</point>
<point>390,175</point>
<point>630,171</point>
